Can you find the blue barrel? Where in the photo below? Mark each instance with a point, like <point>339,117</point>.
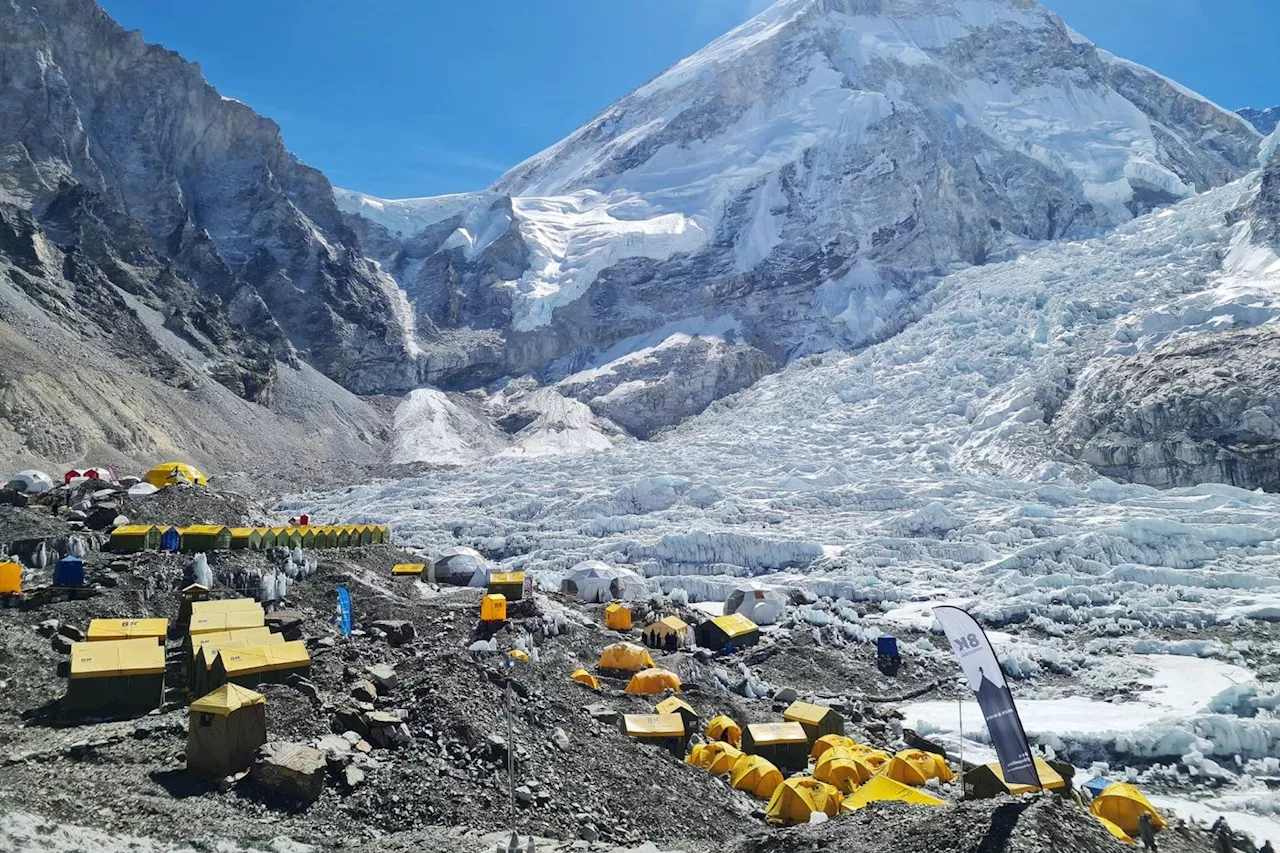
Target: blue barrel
<point>886,646</point>
<point>69,571</point>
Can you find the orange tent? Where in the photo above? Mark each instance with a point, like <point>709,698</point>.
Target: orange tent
<point>651,682</point>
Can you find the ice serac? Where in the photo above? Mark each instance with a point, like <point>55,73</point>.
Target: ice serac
<point>810,175</point>
<point>205,183</point>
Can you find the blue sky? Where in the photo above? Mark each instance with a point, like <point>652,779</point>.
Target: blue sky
<point>421,97</point>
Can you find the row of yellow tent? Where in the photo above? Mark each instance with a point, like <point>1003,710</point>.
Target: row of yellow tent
<point>212,537</point>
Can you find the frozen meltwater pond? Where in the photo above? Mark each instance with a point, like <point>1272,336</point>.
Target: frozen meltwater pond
<point>921,471</point>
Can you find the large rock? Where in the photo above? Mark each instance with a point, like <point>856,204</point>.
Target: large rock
<point>290,771</point>
<point>398,631</point>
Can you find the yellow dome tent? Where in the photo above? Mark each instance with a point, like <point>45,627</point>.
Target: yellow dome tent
<point>826,742</point>
<point>1114,830</point>
<point>913,767</point>
<point>170,473</point>
<point>617,617</point>
<point>756,776</point>
<point>882,789</point>
<point>583,677</point>
<point>1122,804</point>
<point>840,768</point>
<point>725,729</point>
<point>873,759</point>
<point>720,757</point>
<point>651,682</point>
<point>518,654</point>
<point>796,799</point>
<point>627,657</point>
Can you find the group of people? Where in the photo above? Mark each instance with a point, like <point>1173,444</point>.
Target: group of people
<point>668,643</point>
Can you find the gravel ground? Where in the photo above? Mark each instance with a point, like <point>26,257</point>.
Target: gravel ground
<point>578,775</point>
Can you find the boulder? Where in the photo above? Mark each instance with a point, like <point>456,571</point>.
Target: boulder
<point>382,675</point>
<point>286,622</point>
<point>398,631</point>
<point>72,633</point>
<point>61,645</point>
<point>48,628</point>
<point>386,730</point>
<point>291,771</point>
<point>364,691</point>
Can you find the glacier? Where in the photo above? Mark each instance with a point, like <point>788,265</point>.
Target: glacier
<point>928,468</point>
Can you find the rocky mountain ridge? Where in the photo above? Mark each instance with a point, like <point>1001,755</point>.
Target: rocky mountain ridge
<point>798,183</point>
<point>1265,120</point>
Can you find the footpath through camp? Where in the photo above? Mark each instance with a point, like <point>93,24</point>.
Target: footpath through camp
<point>182,668</point>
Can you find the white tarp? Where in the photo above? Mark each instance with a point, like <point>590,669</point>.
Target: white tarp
<point>761,604</point>
<point>594,581</point>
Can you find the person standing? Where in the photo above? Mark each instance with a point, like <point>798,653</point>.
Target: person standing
<point>1147,832</point>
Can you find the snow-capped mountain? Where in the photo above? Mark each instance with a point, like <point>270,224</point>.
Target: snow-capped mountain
<point>796,185</point>
<point>1264,120</point>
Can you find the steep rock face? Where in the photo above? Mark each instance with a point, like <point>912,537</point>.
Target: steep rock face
<point>84,103</point>
<point>1197,409</point>
<point>1198,401</point>
<point>810,174</point>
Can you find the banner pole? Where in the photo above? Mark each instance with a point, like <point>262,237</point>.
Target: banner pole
<point>960,717</point>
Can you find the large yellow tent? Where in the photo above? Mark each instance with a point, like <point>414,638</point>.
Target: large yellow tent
<point>1123,804</point>
<point>225,729</point>
<point>755,775</point>
<point>796,799</point>
<point>415,569</point>
<point>127,629</point>
<point>826,742</point>
<point>583,677</point>
<point>115,676</point>
<point>882,788</point>
<point>651,682</point>
<point>724,728</point>
<point>617,617</point>
<point>988,780</point>
<point>170,473</point>
<point>717,757</point>
<point>662,730</point>
<point>627,657</point>
<point>914,767</point>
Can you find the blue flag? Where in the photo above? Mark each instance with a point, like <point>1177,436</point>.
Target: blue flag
<point>344,608</point>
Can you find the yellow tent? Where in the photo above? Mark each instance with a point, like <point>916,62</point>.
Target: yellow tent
<point>882,788</point>
<point>617,617</point>
<point>408,568</point>
<point>225,729</point>
<point>723,728</point>
<point>627,657</point>
<point>914,767</point>
<point>127,629</point>
<point>518,654</point>
<point>238,613</point>
<point>1122,804</point>
<point>755,775</point>
<point>663,730</point>
<point>1114,830</point>
<point>826,742</point>
<point>796,799</point>
<point>10,578</point>
<point>169,473</point>
<point>583,677</point>
<point>116,675</point>
<point>988,780</point>
<point>873,759</point>
<point>493,608</point>
<point>838,767</point>
<point>656,634</point>
<point>651,682</point>
<point>256,664</point>
<point>676,705</point>
<point>717,757</point>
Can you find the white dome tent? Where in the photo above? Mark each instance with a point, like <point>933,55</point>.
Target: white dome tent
<point>31,482</point>
<point>761,604</point>
<point>594,581</point>
<point>462,566</point>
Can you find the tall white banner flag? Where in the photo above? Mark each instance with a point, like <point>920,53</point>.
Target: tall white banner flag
<point>978,660</point>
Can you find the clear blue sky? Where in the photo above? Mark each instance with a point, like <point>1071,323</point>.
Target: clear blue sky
<point>420,97</point>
